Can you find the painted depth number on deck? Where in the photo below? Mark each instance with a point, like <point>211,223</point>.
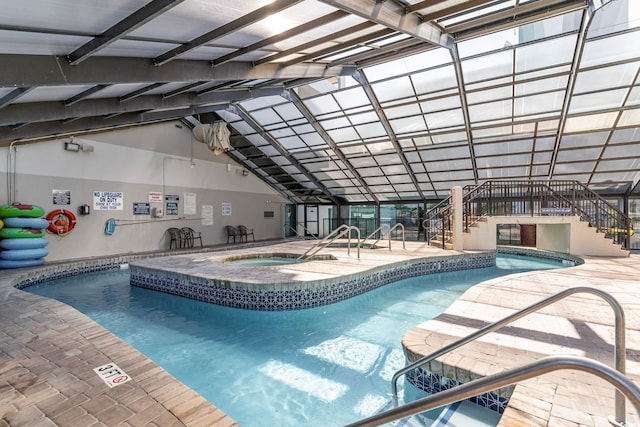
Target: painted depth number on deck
<point>111,374</point>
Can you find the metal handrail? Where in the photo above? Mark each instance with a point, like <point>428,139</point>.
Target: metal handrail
<point>298,234</point>
<point>343,229</point>
<point>386,233</point>
<point>619,349</point>
<point>624,386</point>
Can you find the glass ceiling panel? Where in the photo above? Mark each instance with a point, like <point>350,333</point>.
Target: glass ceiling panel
<point>547,102</point>
<point>503,148</point>
<point>476,97</point>
<point>371,130</point>
<point>444,119</point>
<point>605,78</point>
<point>408,125</point>
<point>488,67</point>
<point>393,89</point>
<point>441,104</point>
<point>612,151</point>
<point>569,168</point>
<point>351,98</point>
<point>322,105</point>
<point>408,64</point>
<point>611,49</point>
<point>584,139</point>
<point>491,111</point>
<point>544,85</point>
<point>434,79</point>
<point>502,161</point>
<point>634,97</point>
<point>583,154</point>
<point>615,16</point>
<point>343,135</point>
<point>591,122</point>
<point>545,54</point>
<point>598,101</point>
<point>630,118</point>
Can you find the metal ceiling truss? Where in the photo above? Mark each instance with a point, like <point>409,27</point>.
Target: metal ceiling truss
<point>143,15</point>
<point>244,115</point>
<point>225,29</point>
<point>362,79</point>
<point>295,100</point>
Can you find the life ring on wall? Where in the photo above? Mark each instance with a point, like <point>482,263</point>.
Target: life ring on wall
<point>61,221</point>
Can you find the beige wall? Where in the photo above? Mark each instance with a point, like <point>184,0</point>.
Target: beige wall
<point>137,161</point>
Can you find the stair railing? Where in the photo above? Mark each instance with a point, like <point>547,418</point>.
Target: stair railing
<point>619,348</point>
<point>624,386</point>
<point>438,221</point>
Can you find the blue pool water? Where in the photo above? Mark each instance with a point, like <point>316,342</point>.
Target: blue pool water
<point>325,366</point>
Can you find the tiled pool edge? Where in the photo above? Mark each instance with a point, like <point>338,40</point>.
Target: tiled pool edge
<point>299,295</point>
<point>437,376</point>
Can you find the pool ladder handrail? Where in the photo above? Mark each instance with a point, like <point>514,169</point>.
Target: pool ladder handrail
<point>339,232</point>
<point>624,387</point>
<point>619,348</point>
<point>386,233</point>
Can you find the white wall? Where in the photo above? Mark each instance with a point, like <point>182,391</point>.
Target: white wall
<point>137,161</point>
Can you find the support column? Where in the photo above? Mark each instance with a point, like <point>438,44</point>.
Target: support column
<point>456,201</point>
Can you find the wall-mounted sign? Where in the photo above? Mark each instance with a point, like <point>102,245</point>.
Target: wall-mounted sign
<point>207,215</point>
<point>226,209</point>
<point>141,208</point>
<point>108,200</point>
<point>61,197</point>
<point>155,197</point>
<point>189,203</point>
<point>171,204</point>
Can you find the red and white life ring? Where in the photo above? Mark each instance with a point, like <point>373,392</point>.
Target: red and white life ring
<point>61,221</point>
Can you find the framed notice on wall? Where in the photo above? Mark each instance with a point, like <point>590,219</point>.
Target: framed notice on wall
<point>226,209</point>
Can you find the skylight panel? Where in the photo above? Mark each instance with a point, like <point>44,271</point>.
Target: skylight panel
<point>409,64</point>
<point>620,47</point>
<point>351,98</point>
<point>322,105</point>
<point>408,125</point>
<point>398,88</point>
<point>545,54</point>
<point>371,130</point>
<point>590,122</point>
<point>630,118</point>
<point>597,101</point>
<point>488,67</point>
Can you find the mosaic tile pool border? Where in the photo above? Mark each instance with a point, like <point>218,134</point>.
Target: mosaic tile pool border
<point>299,295</point>
<point>433,383</point>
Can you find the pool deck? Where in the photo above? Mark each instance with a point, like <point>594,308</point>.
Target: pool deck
<point>48,350</point>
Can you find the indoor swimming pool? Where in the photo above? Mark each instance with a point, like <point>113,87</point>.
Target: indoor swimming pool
<point>324,366</point>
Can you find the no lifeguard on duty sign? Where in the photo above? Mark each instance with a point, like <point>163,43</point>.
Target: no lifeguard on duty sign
<point>112,374</point>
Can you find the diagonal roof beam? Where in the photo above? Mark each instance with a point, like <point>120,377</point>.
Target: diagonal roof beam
<point>295,100</point>
<point>227,28</point>
<point>366,86</point>
<point>341,46</point>
<point>82,95</point>
<point>282,36</point>
<point>466,5</point>
<point>140,91</point>
<point>244,115</point>
<point>316,42</point>
<point>183,89</point>
<point>393,16</point>
<point>13,95</point>
<point>121,29</point>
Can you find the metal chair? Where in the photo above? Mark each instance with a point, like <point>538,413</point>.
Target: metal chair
<point>190,236</point>
<point>176,236</point>
<point>245,233</point>
<point>232,232</point>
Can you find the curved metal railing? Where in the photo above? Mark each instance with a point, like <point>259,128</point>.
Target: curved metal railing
<point>619,350</point>
<point>624,386</point>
